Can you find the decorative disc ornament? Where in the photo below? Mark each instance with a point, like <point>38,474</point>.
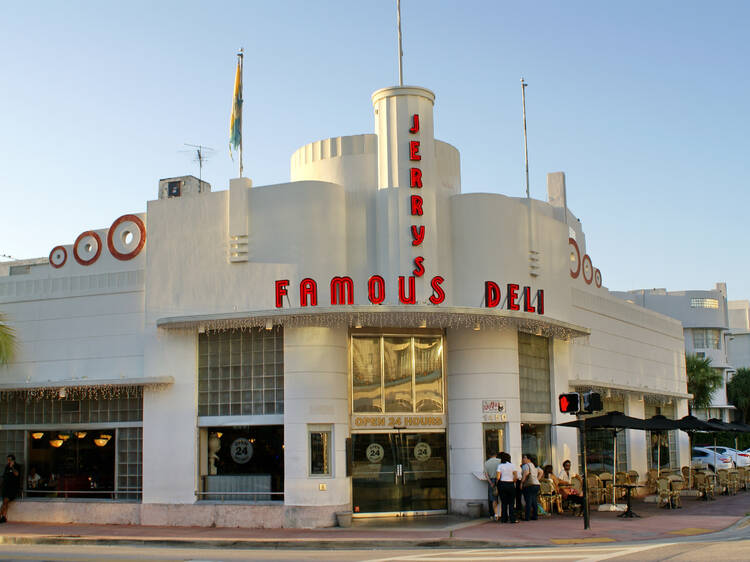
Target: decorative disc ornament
<point>588,269</point>
<point>375,452</point>
<point>58,256</point>
<point>597,277</point>
<point>87,247</point>
<point>126,237</point>
<point>422,451</point>
<point>241,450</point>
<point>575,258</point>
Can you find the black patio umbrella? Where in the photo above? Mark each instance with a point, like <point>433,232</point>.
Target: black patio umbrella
<point>611,420</point>
<point>659,423</point>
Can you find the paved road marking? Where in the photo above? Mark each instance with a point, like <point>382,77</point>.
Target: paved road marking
<point>584,554</point>
<point>691,531</point>
<point>582,540</point>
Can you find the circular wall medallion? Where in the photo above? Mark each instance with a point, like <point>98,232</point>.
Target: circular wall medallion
<point>87,247</point>
<point>126,237</point>
<point>241,450</point>
<point>58,256</point>
<point>375,452</point>
<point>575,258</point>
<point>422,451</point>
<point>598,277</point>
<point>588,269</point>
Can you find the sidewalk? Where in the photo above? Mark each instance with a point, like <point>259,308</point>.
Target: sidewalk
<point>696,517</point>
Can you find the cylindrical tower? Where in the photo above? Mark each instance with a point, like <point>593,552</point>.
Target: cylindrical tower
<point>407,185</point>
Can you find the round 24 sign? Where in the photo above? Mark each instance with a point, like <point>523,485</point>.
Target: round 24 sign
<point>241,450</point>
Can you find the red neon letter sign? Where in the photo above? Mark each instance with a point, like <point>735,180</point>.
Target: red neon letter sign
<point>415,123</point>
<point>308,288</point>
<point>411,298</point>
<point>342,290</point>
<point>281,285</point>
<point>513,297</point>
<point>418,267</point>
<point>417,233</point>
<point>527,306</point>
<point>438,295</point>
<point>414,150</point>
<point>415,177</point>
<point>491,294</point>
<point>416,205</point>
<point>376,289</point>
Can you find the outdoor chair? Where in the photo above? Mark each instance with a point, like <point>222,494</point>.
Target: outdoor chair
<point>723,477</point>
<point>620,478</point>
<point>549,497</point>
<point>704,485</point>
<point>664,493</point>
<point>744,475</point>
<point>676,484</point>
<point>686,473</point>
<point>596,491</point>
<point>577,483</point>
<point>607,481</point>
<point>651,477</point>
<point>733,483</point>
<point>633,477</point>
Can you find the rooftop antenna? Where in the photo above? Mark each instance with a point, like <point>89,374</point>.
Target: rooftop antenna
<point>400,48</point>
<point>525,141</point>
<point>201,154</point>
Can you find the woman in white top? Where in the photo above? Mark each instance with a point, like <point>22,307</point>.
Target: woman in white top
<point>507,475</point>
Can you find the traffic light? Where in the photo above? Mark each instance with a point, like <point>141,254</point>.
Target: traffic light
<point>592,402</point>
<point>570,403</point>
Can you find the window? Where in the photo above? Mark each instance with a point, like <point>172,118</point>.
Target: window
<point>535,441</point>
<point>494,438</point>
<point>533,366</point>
<point>706,338</point>
<point>320,450</point>
<point>241,372</point>
<point>397,374</point>
<point>704,303</point>
<point>243,463</point>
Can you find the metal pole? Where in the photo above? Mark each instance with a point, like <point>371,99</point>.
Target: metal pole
<point>400,47</point>
<point>525,142</point>
<point>586,519</point>
<point>241,54</point>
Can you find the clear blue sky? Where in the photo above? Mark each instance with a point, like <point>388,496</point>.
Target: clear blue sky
<point>645,106</point>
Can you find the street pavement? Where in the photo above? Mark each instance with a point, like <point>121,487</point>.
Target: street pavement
<point>696,518</point>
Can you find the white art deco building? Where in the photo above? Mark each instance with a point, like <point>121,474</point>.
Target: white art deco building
<point>358,338</point>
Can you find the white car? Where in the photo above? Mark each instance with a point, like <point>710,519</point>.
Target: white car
<point>740,458</point>
<point>714,460</point>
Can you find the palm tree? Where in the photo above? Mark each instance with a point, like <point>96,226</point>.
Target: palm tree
<point>7,341</point>
<point>703,380</point>
<point>738,392</point>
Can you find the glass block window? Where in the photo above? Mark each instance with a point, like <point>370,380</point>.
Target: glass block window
<point>18,411</point>
<point>533,366</point>
<point>704,303</point>
<point>706,338</point>
<point>12,442</point>
<point>129,462</point>
<point>241,372</point>
<point>397,374</point>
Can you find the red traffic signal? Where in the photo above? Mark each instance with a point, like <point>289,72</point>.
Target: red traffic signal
<point>570,403</point>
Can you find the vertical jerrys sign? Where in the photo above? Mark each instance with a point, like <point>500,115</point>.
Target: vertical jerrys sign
<point>341,288</point>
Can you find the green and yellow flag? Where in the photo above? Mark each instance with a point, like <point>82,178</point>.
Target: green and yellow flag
<point>235,123</point>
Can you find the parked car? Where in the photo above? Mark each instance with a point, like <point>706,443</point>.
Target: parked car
<point>703,457</point>
<point>740,458</point>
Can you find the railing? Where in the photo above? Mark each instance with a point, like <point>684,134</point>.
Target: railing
<point>241,496</point>
<point>49,494</point>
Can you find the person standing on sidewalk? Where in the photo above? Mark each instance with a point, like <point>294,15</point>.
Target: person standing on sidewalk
<point>11,485</point>
<point>490,473</point>
<point>530,486</point>
<point>507,475</point>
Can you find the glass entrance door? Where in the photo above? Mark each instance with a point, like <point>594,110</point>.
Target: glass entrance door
<point>399,472</point>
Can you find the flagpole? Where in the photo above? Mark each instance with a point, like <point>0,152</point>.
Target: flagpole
<point>525,141</point>
<point>400,48</point>
<point>241,56</point>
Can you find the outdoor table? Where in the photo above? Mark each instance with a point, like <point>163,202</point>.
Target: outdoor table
<point>629,513</point>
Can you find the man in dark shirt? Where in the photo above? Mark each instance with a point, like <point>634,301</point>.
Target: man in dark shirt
<point>11,485</point>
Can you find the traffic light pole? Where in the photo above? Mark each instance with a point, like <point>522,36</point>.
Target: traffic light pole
<point>582,433</point>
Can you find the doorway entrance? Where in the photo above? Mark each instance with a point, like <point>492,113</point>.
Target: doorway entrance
<point>399,473</point>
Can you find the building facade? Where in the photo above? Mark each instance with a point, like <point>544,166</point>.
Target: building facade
<point>738,341</point>
<point>705,319</point>
<point>359,338</point>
